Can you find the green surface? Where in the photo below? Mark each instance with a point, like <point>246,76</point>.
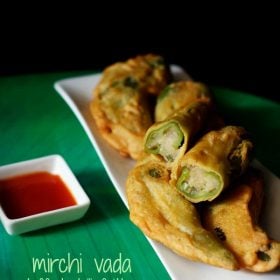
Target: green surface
<point>35,121</point>
<point>261,117</point>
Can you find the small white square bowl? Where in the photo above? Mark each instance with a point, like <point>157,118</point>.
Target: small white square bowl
<point>56,165</point>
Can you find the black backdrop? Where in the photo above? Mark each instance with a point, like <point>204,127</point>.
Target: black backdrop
<point>226,50</point>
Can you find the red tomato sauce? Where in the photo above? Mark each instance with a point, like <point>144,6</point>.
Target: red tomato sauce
<point>33,193</point>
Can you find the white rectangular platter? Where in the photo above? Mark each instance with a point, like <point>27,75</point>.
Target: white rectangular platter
<point>77,93</point>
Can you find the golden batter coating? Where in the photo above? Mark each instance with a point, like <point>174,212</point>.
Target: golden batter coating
<point>168,178</point>
<point>210,165</point>
<point>164,215</point>
<point>120,105</point>
<point>171,138</point>
<point>234,220</point>
<point>179,95</point>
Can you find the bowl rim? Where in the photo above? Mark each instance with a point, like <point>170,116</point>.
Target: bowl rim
<point>54,164</point>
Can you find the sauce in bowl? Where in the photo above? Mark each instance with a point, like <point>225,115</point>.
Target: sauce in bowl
<point>34,193</point>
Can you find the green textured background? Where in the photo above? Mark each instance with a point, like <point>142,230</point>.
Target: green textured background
<point>35,121</point>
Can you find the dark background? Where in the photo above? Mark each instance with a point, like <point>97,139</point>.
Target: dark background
<point>238,50</point>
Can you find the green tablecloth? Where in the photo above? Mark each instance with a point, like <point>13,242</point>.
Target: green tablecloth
<point>35,121</point>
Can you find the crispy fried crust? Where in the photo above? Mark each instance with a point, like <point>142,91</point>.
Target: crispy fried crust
<point>179,95</point>
<point>164,215</point>
<point>190,120</point>
<point>225,152</point>
<point>128,144</point>
<point>120,104</point>
<point>233,219</point>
